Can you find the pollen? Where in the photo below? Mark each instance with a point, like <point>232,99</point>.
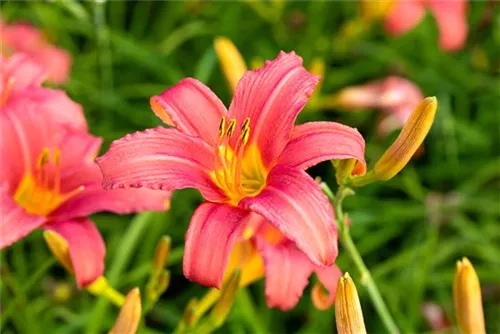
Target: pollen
<point>239,170</point>
<point>39,191</point>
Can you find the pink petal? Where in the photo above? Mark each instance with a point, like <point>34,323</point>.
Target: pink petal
<point>287,273</point>
<point>15,223</point>
<point>22,71</point>
<point>272,97</point>
<point>329,277</point>
<point>86,248</point>
<point>451,17</point>
<point>24,133</point>
<point>95,199</point>
<point>404,16</point>
<point>209,240</point>
<point>21,37</point>
<point>314,142</point>
<point>295,204</point>
<point>160,158</point>
<point>53,104</point>
<point>56,61</point>
<point>192,107</point>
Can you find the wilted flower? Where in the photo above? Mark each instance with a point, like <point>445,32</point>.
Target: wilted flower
<point>395,96</point>
<point>245,160</point>
<point>49,179</point>
<point>451,18</point>
<point>468,300</point>
<point>22,37</point>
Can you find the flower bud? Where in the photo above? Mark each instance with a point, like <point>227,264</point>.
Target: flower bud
<point>228,292</point>
<point>232,63</point>
<point>348,313</point>
<point>161,253</point>
<point>59,248</point>
<point>130,314</point>
<point>467,297</point>
<point>406,144</point>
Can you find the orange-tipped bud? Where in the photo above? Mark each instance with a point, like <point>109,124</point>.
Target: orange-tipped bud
<point>59,248</point>
<point>404,147</point>
<point>162,252</point>
<point>232,63</point>
<point>348,313</point>
<point>467,297</point>
<point>130,314</point>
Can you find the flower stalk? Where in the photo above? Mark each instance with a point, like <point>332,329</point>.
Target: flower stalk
<point>366,278</point>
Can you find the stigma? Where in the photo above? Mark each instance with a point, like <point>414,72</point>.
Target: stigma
<point>39,191</point>
<point>238,167</point>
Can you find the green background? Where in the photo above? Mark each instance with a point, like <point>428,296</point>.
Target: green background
<point>410,230</point>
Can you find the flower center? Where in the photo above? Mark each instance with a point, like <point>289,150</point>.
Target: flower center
<point>39,192</point>
<point>239,170</point>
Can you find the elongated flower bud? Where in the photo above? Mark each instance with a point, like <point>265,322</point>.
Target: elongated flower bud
<point>130,314</point>
<point>375,9</point>
<point>232,63</point>
<point>348,313</point>
<point>59,248</point>
<point>228,292</point>
<point>467,297</point>
<point>409,140</point>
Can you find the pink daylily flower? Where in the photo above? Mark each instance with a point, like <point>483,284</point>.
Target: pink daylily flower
<point>396,96</point>
<point>23,37</point>
<point>248,159</point>
<point>451,18</point>
<point>49,179</point>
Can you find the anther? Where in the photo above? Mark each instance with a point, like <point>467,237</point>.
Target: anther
<point>230,128</point>
<point>245,135</point>
<point>245,124</point>
<point>43,158</point>
<point>222,126</point>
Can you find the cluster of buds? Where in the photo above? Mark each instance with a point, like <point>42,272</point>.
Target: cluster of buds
<point>466,295</point>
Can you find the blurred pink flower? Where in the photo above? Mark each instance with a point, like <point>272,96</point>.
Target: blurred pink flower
<point>49,179</point>
<point>248,159</point>
<point>451,18</point>
<point>22,37</point>
<point>396,96</point>
<point>21,79</point>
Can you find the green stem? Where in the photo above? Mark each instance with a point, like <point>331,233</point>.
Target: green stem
<point>366,277</point>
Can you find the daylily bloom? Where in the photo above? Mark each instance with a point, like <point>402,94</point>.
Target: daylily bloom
<point>22,37</point>
<point>451,18</point>
<point>246,160</point>
<point>49,179</point>
<point>286,268</point>
<point>395,96</point>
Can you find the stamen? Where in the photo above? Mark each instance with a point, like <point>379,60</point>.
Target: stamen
<point>39,192</point>
<point>222,126</point>
<point>57,162</point>
<point>43,158</point>
<point>230,128</point>
<point>6,91</point>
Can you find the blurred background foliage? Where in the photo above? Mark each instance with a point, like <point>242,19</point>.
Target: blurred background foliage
<point>410,231</point>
